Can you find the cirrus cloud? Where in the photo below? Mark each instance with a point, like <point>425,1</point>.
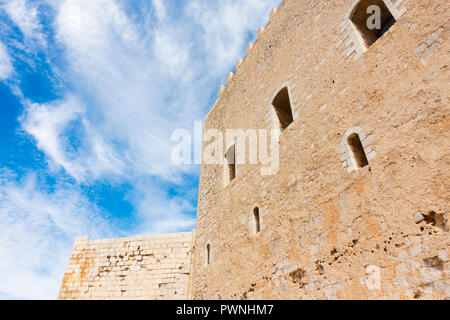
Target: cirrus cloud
<point>126,74</point>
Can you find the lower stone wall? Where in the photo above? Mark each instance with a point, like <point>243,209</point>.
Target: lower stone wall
<point>152,267</point>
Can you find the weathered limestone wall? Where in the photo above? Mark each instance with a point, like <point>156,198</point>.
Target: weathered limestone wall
<point>153,267</point>
<point>328,229</point>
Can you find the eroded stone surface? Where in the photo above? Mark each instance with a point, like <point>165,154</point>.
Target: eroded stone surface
<point>156,267</point>
<point>329,229</point>
<point>333,230</point>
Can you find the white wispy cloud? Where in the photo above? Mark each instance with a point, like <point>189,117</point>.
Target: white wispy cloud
<point>37,230</point>
<point>157,214</point>
<point>110,63</point>
<point>6,67</point>
<point>160,10</point>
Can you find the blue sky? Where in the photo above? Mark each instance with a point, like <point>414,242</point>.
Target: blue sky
<point>90,93</point>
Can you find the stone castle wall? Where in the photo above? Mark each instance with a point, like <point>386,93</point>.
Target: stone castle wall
<point>152,267</point>
<point>328,228</point>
